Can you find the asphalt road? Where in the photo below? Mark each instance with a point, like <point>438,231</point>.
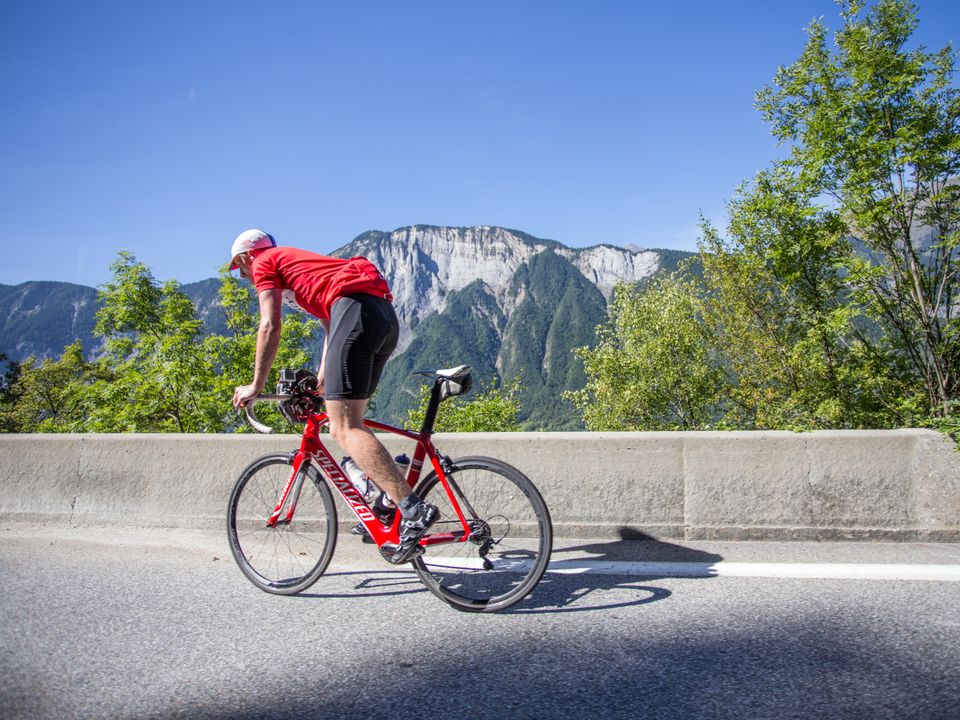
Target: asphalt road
<point>161,624</point>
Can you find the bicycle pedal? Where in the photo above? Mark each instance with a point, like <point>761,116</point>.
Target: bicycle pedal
<point>389,553</point>
<point>360,530</point>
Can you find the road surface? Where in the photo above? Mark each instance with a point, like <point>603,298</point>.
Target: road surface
<point>98,623</point>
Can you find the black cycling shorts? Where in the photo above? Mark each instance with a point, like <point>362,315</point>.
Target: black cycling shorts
<point>363,333</point>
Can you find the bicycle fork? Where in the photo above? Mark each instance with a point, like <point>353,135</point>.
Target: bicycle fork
<point>291,493</point>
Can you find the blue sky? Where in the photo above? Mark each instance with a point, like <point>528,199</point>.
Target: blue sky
<point>167,128</point>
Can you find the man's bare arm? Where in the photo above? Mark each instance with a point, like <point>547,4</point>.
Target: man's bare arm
<point>268,340</point>
<point>268,336</point>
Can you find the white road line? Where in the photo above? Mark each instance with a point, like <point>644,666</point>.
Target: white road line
<point>723,568</point>
<point>831,571</point>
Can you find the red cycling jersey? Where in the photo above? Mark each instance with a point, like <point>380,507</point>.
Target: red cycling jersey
<point>316,281</point>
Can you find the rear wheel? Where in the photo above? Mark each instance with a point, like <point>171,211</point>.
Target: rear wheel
<point>290,556</point>
<point>510,543</point>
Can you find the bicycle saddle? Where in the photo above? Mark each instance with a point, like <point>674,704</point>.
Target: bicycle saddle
<point>452,381</point>
<point>452,373</point>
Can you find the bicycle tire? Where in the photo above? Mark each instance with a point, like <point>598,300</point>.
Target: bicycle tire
<point>507,509</point>
<point>288,558</point>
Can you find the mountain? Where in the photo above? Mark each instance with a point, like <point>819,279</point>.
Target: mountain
<point>500,300</point>
<point>425,263</point>
<point>40,318</point>
<point>205,296</point>
<point>559,310</point>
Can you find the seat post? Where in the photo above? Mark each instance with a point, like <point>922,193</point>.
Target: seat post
<point>430,418</point>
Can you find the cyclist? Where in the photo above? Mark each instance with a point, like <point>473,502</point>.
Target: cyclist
<point>353,302</point>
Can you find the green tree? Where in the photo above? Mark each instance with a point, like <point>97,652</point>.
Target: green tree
<point>875,127</point>
<point>776,292</point>
<point>8,394</point>
<point>231,355</point>
<point>158,372</point>
<point>52,395</point>
<point>153,344</point>
<point>654,367</point>
<point>833,299</point>
<point>494,409</point>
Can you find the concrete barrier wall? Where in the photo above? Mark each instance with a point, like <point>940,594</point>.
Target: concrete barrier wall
<point>863,485</point>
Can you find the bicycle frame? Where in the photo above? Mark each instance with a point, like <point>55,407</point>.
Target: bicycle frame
<point>313,449</point>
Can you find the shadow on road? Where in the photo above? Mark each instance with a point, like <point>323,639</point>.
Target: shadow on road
<point>770,667</point>
<point>636,546</point>
<point>575,591</point>
<point>571,590</point>
<point>373,583</point>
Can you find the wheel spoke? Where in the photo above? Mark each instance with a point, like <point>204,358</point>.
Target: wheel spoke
<point>510,546</point>
<point>284,558</point>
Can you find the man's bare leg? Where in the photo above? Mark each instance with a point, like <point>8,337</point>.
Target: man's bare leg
<point>346,426</point>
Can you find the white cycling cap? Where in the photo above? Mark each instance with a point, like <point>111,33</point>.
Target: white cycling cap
<point>249,240</point>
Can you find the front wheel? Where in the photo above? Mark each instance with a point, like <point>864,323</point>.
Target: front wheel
<point>510,543</point>
<point>288,557</point>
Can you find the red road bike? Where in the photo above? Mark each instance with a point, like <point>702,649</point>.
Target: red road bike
<point>487,552</point>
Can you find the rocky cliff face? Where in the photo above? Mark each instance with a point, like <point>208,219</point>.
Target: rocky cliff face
<point>506,303</point>
<point>424,264</point>
<point>605,266</point>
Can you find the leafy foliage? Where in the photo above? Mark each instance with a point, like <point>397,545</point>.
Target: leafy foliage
<point>832,302</point>
<point>652,368</point>
<point>875,126</point>
<point>49,396</point>
<point>158,372</point>
<point>9,393</point>
<point>777,292</point>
